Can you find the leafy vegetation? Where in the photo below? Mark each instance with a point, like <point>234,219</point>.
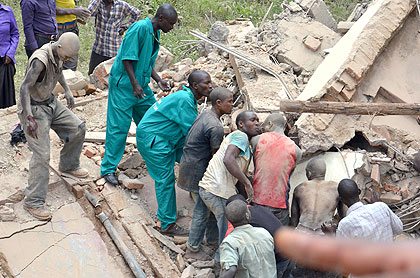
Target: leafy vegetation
<point>198,14</point>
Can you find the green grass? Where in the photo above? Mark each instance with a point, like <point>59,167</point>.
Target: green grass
<point>194,14</point>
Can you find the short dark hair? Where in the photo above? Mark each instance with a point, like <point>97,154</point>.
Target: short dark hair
<point>196,76</point>
<point>219,93</point>
<point>235,197</point>
<point>167,10</point>
<point>241,117</point>
<point>348,189</point>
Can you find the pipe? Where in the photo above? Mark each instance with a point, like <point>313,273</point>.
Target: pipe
<point>128,256</point>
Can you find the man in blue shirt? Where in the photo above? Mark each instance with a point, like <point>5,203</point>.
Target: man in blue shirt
<point>160,139</point>
<point>129,93</point>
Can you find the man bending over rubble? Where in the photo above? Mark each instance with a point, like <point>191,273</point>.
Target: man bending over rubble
<point>227,167</point>
<point>160,138</point>
<point>129,93</point>
<point>275,158</point>
<point>247,252</point>
<point>374,222</point>
<point>314,201</point>
<point>203,140</point>
<point>39,111</point>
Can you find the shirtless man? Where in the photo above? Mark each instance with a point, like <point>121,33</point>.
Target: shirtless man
<point>275,156</point>
<point>39,111</point>
<point>314,201</point>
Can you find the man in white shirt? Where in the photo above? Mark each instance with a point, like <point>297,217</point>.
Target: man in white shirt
<point>374,222</point>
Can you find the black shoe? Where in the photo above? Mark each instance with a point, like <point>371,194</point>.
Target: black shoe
<point>175,230</point>
<point>111,178</point>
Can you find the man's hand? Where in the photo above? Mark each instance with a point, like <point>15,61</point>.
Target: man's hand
<point>82,12</point>
<point>164,85</point>
<point>32,127</point>
<point>138,91</point>
<point>328,227</point>
<point>7,60</point>
<point>250,192</point>
<point>70,99</point>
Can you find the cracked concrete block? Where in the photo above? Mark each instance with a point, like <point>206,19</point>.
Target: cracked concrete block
<point>319,11</point>
<point>390,198</point>
<point>344,26</point>
<point>188,272</point>
<point>7,214</point>
<point>347,79</point>
<point>130,162</point>
<point>355,70</point>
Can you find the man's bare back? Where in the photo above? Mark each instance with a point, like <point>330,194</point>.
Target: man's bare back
<point>317,201</point>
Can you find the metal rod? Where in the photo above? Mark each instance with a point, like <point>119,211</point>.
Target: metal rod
<point>236,54</point>
<point>128,256</point>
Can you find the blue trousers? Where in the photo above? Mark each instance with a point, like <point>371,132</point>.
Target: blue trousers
<point>203,222</point>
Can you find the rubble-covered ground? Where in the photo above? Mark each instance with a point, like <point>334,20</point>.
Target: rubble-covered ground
<point>75,244</point>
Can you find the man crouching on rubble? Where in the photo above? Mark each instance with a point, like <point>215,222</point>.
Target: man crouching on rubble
<point>39,111</point>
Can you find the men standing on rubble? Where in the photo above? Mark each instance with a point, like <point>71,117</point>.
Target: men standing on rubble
<point>315,201</point>
<point>228,166</point>
<point>275,156</point>
<point>39,111</point>
<point>160,139</point>
<point>203,140</point>
<point>67,12</point>
<point>39,23</point>
<point>374,222</point>
<point>247,251</point>
<point>110,25</point>
<point>129,93</point>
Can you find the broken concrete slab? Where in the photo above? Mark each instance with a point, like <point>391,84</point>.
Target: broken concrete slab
<point>68,246</point>
<point>131,161</point>
<point>319,11</point>
<point>344,26</point>
<point>164,59</point>
<point>75,80</point>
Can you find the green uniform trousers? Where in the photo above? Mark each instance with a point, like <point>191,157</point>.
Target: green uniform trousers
<point>160,157</point>
<point>122,108</point>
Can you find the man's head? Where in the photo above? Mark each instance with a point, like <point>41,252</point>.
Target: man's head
<point>273,122</point>
<point>166,17</point>
<point>235,197</point>
<point>248,122</point>
<point>416,162</point>
<point>316,168</point>
<point>200,83</point>
<point>348,192</point>
<point>67,46</point>
<point>222,100</point>
<point>237,213</point>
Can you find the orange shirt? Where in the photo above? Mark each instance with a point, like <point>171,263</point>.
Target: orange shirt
<point>274,160</point>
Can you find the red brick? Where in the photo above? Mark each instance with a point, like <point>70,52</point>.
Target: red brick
<point>393,188</point>
<point>336,87</point>
<point>347,94</point>
<point>78,191</point>
<point>89,152</point>
<point>90,89</point>
<point>375,175</point>
<point>312,43</point>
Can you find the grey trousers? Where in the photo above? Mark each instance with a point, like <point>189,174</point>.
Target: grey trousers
<point>69,128</point>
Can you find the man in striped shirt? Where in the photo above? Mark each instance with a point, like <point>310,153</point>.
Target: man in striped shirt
<point>109,17</point>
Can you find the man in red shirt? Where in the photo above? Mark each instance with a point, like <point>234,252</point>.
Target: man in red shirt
<point>275,156</point>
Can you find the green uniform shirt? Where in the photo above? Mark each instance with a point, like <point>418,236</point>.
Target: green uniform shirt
<point>171,117</point>
<point>251,250</point>
<point>141,46</point>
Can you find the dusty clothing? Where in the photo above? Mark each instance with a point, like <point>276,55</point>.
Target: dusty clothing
<point>372,222</point>
<point>205,133</point>
<point>274,160</point>
<point>217,179</point>
<point>50,113</point>
<point>251,249</point>
<point>52,72</point>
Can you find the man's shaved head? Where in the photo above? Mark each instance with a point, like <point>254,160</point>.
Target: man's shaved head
<point>219,93</point>
<point>416,162</point>
<point>316,168</point>
<point>196,76</point>
<point>167,11</point>
<point>348,191</point>
<point>236,212</point>
<point>68,45</point>
<point>276,120</point>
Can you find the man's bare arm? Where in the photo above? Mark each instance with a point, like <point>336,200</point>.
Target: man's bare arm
<point>28,83</point>
<point>232,166</point>
<point>137,89</point>
<point>340,209</point>
<point>67,92</point>
<point>254,143</point>
<point>295,210</point>
<point>78,11</point>
<point>230,273</point>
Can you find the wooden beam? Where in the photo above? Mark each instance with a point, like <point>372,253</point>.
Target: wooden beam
<point>389,96</point>
<point>349,108</point>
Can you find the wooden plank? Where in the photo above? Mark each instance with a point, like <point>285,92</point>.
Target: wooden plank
<point>99,137</point>
<point>238,75</point>
<point>390,96</point>
<point>161,263</point>
<point>349,108</point>
<point>164,240</point>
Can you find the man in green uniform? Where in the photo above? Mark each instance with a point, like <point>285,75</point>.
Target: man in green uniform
<point>129,94</point>
<point>160,138</point>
